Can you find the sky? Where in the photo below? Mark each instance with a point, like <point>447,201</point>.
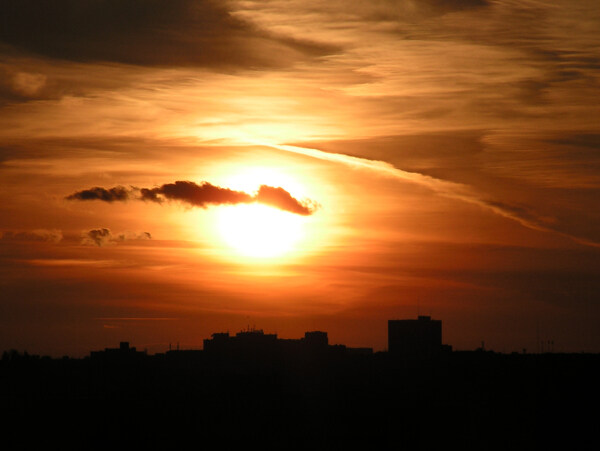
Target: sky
<point>171,169</point>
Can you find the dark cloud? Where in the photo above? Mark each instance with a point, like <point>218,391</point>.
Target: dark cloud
<point>280,198</point>
<point>194,194</point>
<point>118,193</point>
<point>51,236</point>
<point>200,195</point>
<point>145,32</point>
<point>25,79</point>
<point>103,236</point>
<point>99,237</point>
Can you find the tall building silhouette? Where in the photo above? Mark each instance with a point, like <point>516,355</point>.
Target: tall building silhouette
<point>415,337</point>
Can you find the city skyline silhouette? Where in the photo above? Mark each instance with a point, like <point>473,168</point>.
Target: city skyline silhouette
<point>300,223</point>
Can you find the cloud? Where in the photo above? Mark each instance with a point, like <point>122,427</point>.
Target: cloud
<point>200,195</point>
<point>194,194</point>
<point>118,193</point>
<point>103,237</point>
<point>126,236</point>
<point>375,10</point>
<point>280,198</point>
<point>99,237</point>
<point>146,32</point>
<point>21,86</point>
<point>410,9</point>
<point>50,236</point>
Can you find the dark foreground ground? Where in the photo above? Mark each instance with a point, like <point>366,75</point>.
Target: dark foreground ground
<point>476,400</point>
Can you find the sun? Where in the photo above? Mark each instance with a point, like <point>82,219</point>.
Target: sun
<point>259,231</point>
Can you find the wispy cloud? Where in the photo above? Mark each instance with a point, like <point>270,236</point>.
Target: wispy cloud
<point>103,237</point>
<point>524,216</point>
<point>136,318</point>
<point>51,236</point>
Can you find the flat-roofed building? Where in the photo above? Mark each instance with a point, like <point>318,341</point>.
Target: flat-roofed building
<point>415,337</point>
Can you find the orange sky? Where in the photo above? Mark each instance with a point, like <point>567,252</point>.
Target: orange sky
<point>448,151</point>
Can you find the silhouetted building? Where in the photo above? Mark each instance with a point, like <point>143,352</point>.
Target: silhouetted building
<point>123,352</point>
<point>248,341</point>
<point>316,338</point>
<point>415,337</point>
<point>256,343</point>
<point>359,351</point>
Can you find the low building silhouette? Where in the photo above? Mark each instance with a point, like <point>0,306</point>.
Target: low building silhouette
<point>359,351</point>
<point>250,341</point>
<point>254,342</point>
<point>122,353</point>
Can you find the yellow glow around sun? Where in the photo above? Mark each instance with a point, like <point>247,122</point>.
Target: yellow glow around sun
<point>259,231</point>
<point>256,230</point>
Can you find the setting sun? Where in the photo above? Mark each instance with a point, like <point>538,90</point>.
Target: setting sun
<point>260,231</point>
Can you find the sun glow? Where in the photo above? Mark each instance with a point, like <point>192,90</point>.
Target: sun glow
<point>259,231</point>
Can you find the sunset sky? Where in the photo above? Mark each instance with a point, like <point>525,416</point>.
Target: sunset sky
<point>340,163</point>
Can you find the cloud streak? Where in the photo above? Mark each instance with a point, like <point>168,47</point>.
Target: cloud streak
<point>103,236</point>
<point>451,190</point>
<point>45,235</point>
<point>199,195</point>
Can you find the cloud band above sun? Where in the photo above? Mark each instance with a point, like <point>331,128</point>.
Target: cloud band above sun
<point>200,195</point>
